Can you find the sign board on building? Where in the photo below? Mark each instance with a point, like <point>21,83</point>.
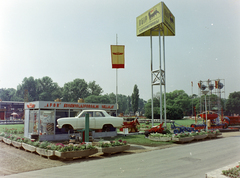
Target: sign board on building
<point>117,54</point>
<point>67,105</point>
<point>157,15</point>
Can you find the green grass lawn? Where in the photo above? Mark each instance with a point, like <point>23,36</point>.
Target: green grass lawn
<point>17,129</point>
<point>139,140</point>
<point>131,139</point>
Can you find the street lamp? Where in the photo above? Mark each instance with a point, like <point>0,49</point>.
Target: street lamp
<point>205,92</point>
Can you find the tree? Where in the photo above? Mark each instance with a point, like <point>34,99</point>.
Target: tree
<point>98,99</point>
<point>135,98</point>
<point>7,94</point>
<point>47,89</point>
<point>29,84</point>
<point>94,89</point>
<point>141,104</point>
<point>233,103</point>
<point>74,90</point>
<point>156,108</point>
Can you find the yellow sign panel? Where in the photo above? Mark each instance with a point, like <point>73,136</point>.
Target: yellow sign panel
<point>158,16</point>
<point>117,53</point>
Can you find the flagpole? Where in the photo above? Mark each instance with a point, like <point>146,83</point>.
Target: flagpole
<point>192,97</point>
<point>116,80</point>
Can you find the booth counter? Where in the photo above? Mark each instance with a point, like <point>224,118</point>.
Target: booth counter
<point>41,117</point>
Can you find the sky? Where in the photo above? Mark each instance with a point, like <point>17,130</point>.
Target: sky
<point>69,39</point>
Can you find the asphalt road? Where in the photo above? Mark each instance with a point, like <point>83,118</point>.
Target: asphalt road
<point>187,160</point>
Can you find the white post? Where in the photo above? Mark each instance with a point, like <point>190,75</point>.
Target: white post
<point>160,72</point>
<point>151,74</point>
<point>164,68</point>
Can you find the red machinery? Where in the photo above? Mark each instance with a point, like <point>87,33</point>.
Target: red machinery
<point>157,128</point>
<point>232,120</point>
<point>131,125</point>
<point>210,115</point>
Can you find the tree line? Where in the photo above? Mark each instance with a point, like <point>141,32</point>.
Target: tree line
<point>178,103</point>
<point>45,89</point>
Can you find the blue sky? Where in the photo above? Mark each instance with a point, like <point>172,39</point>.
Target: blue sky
<point>69,39</point>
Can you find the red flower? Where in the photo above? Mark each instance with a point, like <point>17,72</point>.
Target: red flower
<point>237,166</point>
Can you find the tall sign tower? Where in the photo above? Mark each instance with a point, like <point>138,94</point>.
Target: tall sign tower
<point>157,21</point>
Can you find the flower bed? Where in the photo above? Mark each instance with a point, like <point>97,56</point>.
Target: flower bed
<point>183,139</point>
<point>160,137</point>
<point>213,133</point>
<point>233,172</point>
<point>110,147</point>
<point>45,152</point>
<point>16,144</point>
<point>28,147</point>
<point>76,154</point>
<point>7,141</point>
<point>71,151</point>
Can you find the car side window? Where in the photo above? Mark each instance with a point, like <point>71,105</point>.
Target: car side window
<point>99,114</point>
<point>84,114</point>
<point>90,114</point>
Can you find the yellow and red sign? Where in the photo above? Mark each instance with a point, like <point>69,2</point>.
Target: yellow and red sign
<point>117,53</point>
<point>157,17</point>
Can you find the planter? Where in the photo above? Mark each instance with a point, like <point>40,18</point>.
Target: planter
<point>200,137</point>
<point>45,152</point>
<point>183,139</point>
<point>17,144</point>
<point>211,136</point>
<point>1,138</point>
<point>75,154</point>
<point>7,141</point>
<point>217,134</point>
<point>115,149</point>
<point>160,139</point>
<point>28,147</point>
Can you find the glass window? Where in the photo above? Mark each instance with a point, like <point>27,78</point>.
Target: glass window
<point>99,114</point>
<point>89,112</point>
<point>33,122</point>
<point>46,122</point>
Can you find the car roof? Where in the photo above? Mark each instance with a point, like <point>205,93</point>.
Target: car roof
<point>94,110</point>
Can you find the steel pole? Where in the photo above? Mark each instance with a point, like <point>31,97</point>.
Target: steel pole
<point>164,68</point>
<point>160,72</point>
<point>151,73</point>
<point>206,112</point>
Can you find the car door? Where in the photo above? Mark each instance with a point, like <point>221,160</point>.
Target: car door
<point>100,119</point>
<point>81,119</point>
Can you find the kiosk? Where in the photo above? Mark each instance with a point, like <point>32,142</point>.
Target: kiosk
<point>41,117</point>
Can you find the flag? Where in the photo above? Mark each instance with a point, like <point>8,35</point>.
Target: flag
<point>117,53</point>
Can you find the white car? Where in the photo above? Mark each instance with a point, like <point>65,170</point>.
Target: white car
<point>98,119</point>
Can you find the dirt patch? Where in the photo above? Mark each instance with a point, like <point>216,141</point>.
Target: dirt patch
<point>13,160</point>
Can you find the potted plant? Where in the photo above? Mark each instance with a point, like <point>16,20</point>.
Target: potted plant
<point>17,142</point>
<point>28,144</point>
<point>46,149</point>
<point>8,139</point>
<point>2,134</point>
<point>71,151</point>
<point>199,135</point>
<point>160,137</point>
<point>182,137</point>
<point>113,146</point>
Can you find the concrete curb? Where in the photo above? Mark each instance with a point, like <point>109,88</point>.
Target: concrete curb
<point>218,172</point>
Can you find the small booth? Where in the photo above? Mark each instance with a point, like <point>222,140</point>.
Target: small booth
<point>41,117</point>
